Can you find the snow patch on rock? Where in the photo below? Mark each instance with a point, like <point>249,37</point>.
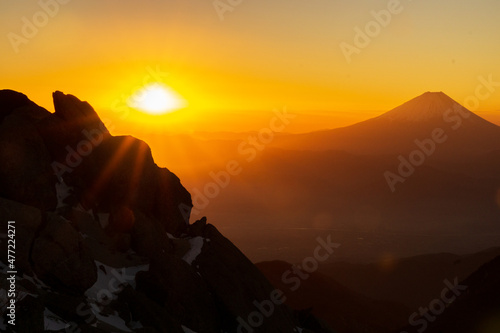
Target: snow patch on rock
<point>62,191</point>
<point>187,330</point>
<point>110,280</point>
<point>196,244</point>
<point>52,322</point>
<point>36,281</point>
<point>80,208</point>
<point>113,320</point>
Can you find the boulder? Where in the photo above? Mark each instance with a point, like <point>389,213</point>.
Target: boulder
<point>148,237</point>
<point>13,101</point>
<point>173,202</point>
<point>73,308</point>
<point>145,310</point>
<point>29,315</point>
<point>174,284</point>
<point>60,257</point>
<point>26,175</point>
<point>87,225</point>
<point>79,117</point>
<point>71,135</point>
<point>121,172</point>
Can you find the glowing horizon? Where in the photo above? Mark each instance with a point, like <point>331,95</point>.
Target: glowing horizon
<point>260,57</point>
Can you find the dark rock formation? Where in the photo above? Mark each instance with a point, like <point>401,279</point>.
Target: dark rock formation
<point>102,235</point>
<point>28,221</point>
<point>475,306</point>
<point>61,258</point>
<point>25,172</point>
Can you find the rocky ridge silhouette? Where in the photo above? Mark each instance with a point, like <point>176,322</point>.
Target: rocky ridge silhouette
<point>103,242</point>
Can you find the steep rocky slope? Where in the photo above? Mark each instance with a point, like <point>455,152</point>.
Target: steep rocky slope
<point>102,238</point>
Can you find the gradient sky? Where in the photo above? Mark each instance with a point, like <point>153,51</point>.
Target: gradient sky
<point>264,55</point>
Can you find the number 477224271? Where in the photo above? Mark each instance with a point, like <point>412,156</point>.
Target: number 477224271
<point>11,247</point>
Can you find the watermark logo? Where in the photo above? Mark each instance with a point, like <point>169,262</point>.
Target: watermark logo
<point>32,26</point>
<point>224,6</point>
<point>74,156</point>
<point>249,149</point>
<point>437,306</point>
<point>425,148</point>
<point>293,279</point>
<point>372,29</point>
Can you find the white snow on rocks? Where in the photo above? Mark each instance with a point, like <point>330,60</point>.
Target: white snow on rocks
<point>196,244</point>
<point>80,208</point>
<point>52,322</point>
<point>135,325</point>
<point>62,191</point>
<point>187,330</point>
<point>110,280</point>
<point>36,281</point>
<point>113,320</point>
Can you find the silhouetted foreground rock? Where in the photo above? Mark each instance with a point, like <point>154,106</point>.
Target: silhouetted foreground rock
<point>475,305</point>
<point>102,239</point>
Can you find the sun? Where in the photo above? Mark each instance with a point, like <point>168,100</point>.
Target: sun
<point>156,99</point>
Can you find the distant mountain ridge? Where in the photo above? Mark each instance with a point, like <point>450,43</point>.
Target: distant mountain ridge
<point>395,131</point>
<point>392,290</point>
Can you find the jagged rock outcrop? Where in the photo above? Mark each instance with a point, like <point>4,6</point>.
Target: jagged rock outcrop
<point>102,234</point>
<point>25,172</point>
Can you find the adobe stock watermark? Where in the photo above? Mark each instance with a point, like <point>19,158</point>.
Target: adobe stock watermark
<point>372,29</point>
<point>436,307</point>
<point>31,26</point>
<point>224,6</point>
<point>104,297</point>
<point>454,118</point>
<point>293,279</point>
<point>122,105</point>
<point>249,149</point>
<point>75,155</point>
<point>94,137</point>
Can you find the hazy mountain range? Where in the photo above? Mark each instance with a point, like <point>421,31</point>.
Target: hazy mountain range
<point>91,208</point>
<point>420,178</point>
<point>384,296</point>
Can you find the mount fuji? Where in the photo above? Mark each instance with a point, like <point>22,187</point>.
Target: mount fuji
<point>395,131</point>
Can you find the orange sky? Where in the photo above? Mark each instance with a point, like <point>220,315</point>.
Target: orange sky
<point>264,55</point>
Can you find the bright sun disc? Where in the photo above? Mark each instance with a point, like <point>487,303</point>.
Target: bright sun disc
<point>156,99</point>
